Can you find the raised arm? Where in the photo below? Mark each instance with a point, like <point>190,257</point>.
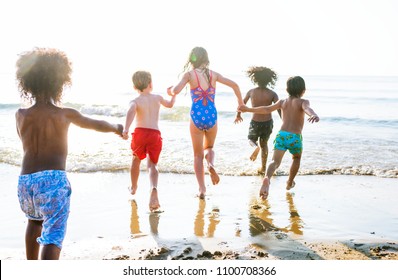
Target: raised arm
<point>169,103</point>
<point>82,121</point>
<point>310,112</point>
<point>178,88</point>
<point>232,85</point>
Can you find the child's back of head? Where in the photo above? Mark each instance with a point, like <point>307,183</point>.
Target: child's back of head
<point>43,73</point>
<point>295,86</point>
<point>141,80</point>
<point>262,76</point>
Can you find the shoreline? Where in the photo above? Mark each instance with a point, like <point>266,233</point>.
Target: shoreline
<point>325,217</point>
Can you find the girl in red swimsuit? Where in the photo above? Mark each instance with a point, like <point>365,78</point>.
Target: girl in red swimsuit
<point>203,122</point>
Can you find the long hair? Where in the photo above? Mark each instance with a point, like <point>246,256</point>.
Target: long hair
<point>198,58</point>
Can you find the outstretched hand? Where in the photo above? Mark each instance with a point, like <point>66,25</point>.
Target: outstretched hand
<point>238,119</point>
<point>119,130</point>
<point>313,118</point>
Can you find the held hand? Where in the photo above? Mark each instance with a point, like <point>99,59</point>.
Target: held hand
<point>119,130</point>
<point>313,118</point>
<point>125,135</point>
<point>242,108</point>
<point>169,92</point>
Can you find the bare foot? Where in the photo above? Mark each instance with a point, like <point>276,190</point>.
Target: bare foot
<point>133,189</point>
<point>290,185</point>
<point>215,179</point>
<point>264,188</point>
<point>254,155</point>
<point>154,200</point>
<point>261,171</point>
<point>202,193</point>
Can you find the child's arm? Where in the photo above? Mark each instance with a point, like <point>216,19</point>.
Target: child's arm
<point>169,103</point>
<point>276,99</point>
<point>178,88</point>
<point>232,85</point>
<point>261,109</point>
<point>308,110</point>
<point>238,117</point>
<point>85,122</point>
<point>129,119</point>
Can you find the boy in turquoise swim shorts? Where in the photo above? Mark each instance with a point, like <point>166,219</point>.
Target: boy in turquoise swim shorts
<point>43,187</point>
<point>294,108</point>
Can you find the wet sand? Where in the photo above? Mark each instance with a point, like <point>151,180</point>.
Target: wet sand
<point>331,217</point>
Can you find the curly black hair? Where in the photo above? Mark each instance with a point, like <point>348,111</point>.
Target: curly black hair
<point>262,76</point>
<point>44,73</point>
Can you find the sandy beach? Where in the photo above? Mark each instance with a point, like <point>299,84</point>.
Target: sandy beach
<point>326,217</point>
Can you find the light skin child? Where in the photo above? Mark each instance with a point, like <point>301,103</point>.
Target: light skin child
<point>294,109</point>
<point>43,127</point>
<point>145,111</point>
<point>202,82</point>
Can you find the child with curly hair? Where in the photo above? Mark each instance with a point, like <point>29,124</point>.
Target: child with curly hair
<point>294,108</point>
<point>43,187</point>
<point>261,125</point>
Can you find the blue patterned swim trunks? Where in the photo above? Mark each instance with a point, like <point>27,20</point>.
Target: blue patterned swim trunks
<point>289,141</point>
<point>45,196</point>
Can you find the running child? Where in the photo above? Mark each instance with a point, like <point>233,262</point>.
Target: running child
<point>43,187</point>
<point>146,138</point>
<point>294,108</point>
<point>261,125</point>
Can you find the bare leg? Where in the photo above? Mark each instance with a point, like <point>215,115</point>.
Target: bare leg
<point>254,155</point>
<point>276,161</point>
<point>210,137</point>
<point>153,178</point>
<point>293,171</point>
<point>33,231</point>
<point>209,156</point>
<point>50,252</point>
<point>134,174</point>
<point>197,144</point>
<point>264,155</point>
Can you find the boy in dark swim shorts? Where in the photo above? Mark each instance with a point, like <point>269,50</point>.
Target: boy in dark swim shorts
<point>261,125</point>
<point>146,138</point>
<point>43,187</point>
<point>294,108</point>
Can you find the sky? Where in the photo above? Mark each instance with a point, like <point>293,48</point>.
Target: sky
<point>108,40</point>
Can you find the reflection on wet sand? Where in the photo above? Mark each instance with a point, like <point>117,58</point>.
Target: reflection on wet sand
<point>134,220</point>
<point>296,224</point>
<point>199,223</point>
<point>261,218</point>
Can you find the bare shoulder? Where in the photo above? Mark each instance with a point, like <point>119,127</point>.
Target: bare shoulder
<point>216,75</point>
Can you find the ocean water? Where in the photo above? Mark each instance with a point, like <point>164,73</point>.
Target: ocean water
<point>357,133</point>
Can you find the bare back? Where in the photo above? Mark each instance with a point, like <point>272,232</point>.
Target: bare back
<point>147,110</point>
<point>261,97</point>
<point>293,115</point>
<point>43,129</point>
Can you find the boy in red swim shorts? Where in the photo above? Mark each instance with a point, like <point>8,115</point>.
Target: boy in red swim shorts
<point>146,138</point>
